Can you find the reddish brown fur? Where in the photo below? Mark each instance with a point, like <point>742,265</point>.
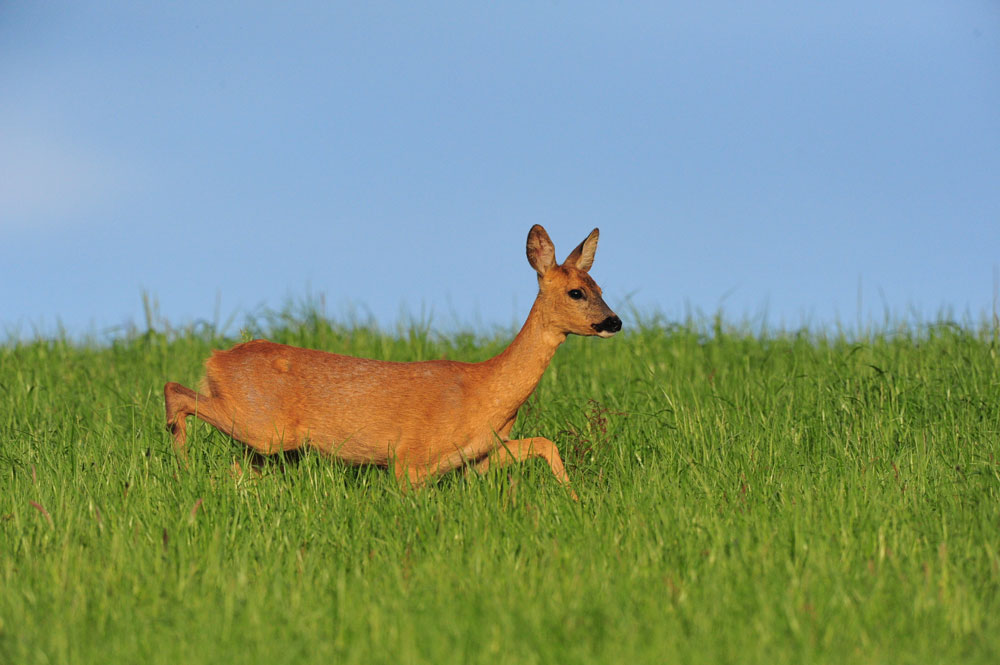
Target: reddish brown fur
<point>423,417</point>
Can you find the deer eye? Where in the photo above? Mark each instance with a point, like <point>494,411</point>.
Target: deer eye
<point>576,294</point>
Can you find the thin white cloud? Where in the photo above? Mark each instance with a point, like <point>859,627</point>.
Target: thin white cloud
<point>51,181</point>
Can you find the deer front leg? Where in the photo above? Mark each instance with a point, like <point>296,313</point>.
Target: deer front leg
<point>410,477</point>
<point>519,450</point>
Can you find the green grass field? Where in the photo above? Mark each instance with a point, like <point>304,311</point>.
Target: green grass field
<point>744,498</point>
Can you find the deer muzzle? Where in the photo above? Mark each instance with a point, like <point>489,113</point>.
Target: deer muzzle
<point>608,326</point>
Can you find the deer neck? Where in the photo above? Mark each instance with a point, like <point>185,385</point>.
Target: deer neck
<point>517,370</point>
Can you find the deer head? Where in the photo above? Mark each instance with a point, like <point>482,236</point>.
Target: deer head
<point>567,294</point>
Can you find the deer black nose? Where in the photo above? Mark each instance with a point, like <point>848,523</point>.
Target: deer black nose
<point>611,324</point>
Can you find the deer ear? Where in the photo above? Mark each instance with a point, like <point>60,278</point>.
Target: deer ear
<point>541,252</point>
<point>583,256</point>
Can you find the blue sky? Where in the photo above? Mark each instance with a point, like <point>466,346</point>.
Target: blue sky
<point>811,162</point>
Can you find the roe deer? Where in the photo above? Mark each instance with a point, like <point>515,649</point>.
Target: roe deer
<point>422,417</point>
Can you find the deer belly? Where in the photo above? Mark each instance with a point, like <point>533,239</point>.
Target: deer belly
<point>354,445</point>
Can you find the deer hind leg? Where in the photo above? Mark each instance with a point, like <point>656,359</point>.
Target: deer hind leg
<point>520,450</point>
<point>260,434</point>
<point>182,402</point>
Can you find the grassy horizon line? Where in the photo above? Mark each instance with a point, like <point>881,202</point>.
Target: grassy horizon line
<point>311,310</point>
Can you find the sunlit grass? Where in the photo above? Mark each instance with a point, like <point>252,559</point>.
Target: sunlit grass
<point>745,497</point>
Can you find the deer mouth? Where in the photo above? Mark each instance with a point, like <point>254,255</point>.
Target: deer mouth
<point>608,326</point>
